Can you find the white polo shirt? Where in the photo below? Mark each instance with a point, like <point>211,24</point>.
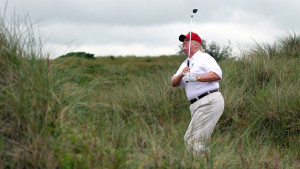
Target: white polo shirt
<point>200,64</point>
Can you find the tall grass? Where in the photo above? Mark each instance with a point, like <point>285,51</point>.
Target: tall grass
<point>30,108</point>
<point>123,113</point>
<point>268,87</point>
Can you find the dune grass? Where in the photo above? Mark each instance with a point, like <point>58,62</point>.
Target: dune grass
<point>121,112</point>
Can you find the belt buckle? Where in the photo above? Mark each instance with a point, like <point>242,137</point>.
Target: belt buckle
<point>196,99</point>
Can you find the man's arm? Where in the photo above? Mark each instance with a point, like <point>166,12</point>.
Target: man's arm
<point>176,80</point>
<point>209,77</point>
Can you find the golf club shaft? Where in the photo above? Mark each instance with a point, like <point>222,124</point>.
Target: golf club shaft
<point>188,59</point>
<point>190,37</point>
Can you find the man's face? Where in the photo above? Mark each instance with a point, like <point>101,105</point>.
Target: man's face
<point>185,46</point>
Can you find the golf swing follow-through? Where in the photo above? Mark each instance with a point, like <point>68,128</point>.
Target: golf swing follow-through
<point>199,74</point>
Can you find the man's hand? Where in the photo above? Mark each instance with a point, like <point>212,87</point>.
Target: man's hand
<point>185,70</point>
<point>188,77</point>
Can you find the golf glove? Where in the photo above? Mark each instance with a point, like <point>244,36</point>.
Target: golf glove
<point>188,77</point>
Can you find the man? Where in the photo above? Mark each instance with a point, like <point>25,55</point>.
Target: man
<point>199,74</point>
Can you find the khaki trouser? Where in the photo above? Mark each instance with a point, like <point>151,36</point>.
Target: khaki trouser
<point>205,114</point>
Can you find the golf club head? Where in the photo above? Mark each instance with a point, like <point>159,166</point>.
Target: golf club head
<point>195,10</point>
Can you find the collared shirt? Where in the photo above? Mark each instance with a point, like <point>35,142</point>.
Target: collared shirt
<point>200,64</point>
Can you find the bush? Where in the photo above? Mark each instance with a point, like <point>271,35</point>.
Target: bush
<point>79,54</point>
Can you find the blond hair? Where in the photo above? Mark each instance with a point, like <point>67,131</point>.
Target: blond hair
<point>200,46</point>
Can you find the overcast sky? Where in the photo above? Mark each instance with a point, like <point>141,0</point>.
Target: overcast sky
<point>152,27</point>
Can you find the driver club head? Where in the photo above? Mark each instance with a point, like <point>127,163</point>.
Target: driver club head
<point>195,10</point>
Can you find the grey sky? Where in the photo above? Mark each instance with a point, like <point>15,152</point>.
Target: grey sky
<point>152,27</point>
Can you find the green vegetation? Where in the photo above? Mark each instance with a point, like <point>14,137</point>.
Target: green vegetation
<point>214,49</point>
<point>121,112</point>
<point>79,54</point>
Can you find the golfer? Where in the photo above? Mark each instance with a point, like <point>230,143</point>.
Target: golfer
<point>199,74</point>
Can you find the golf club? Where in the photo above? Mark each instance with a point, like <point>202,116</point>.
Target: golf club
<point>194,11</point>
<point>188,60</point>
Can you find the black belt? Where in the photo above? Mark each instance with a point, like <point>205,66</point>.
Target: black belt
<point>203,95</point>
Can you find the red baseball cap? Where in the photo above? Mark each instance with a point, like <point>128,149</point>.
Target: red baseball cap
<point>193,35</point>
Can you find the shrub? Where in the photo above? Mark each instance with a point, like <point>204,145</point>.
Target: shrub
<point>79,54</point>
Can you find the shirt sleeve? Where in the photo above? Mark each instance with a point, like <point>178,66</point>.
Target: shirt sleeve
<point>212,66</point>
